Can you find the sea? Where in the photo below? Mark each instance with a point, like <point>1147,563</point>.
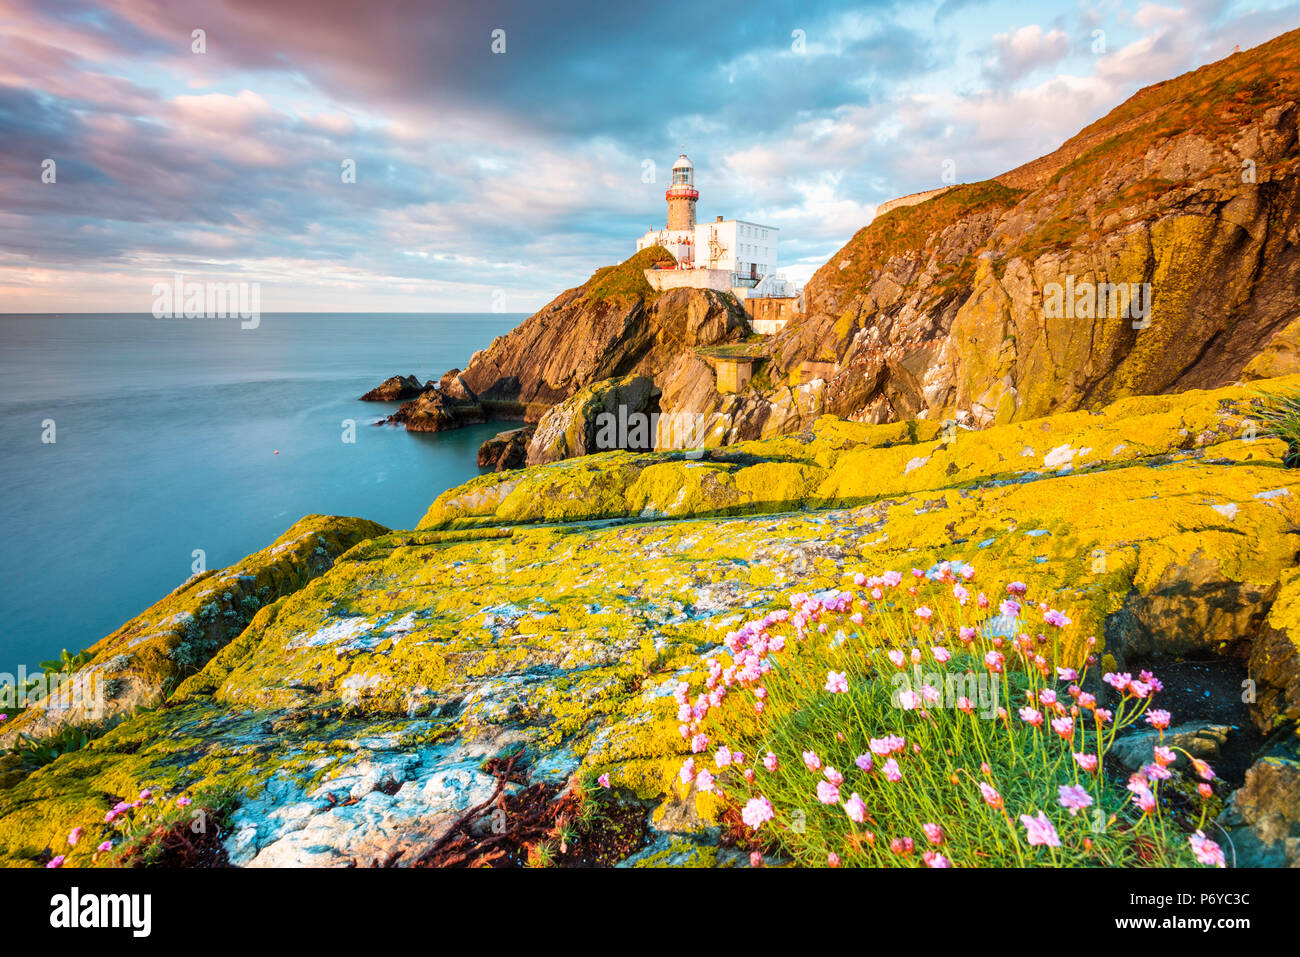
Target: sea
<point>132,447</point>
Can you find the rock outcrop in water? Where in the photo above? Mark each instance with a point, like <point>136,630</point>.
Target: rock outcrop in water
<point>397,388</point>
<point>362,715</point>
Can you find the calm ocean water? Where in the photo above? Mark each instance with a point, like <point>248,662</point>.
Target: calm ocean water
<point>166,433</point>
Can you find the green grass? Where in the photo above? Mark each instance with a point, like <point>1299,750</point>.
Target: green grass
<point>1280,416</point>
<point>627,279</point>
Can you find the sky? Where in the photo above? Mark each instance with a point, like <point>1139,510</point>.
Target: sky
<point>503,152</point>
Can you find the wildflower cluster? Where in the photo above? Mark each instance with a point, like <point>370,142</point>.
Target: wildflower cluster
<point>125,826</point>
<point>802,726</point>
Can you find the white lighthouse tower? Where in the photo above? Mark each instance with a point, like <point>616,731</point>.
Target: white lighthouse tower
<point>682,196</point>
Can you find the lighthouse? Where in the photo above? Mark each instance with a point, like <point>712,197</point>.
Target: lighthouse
<point>682,195</point>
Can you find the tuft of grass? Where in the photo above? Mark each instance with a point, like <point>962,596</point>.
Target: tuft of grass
<point>1280,415</point>
<point>917,722</point>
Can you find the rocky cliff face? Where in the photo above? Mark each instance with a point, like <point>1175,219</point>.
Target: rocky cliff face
<point>614,325</point>
<point>972,305</point>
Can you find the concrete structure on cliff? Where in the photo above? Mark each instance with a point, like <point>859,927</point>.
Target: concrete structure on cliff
<point>734,255</point>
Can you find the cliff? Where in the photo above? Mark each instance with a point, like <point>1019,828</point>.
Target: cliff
<point>945,309</point>
<point>614,325</point>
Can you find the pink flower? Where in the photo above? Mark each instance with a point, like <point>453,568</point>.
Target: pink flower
<point>146,794</point>
<point>897,657</point>
<point>74,836</point>
<point>966,633</point>
<point>757,812</point>
<point>704,781</point>
<point>993,660</point>
<point>1143,797</point>
<point>1206,851</point>
<point>1067,674</point>
<point>57,861</point>
<point>1009,608</point>
<point>828,793</point>
<point>1064,727</point>
<point>105,847</point>
<point>991,796</point>
<point>699,743</point>
<point>1016,588</point>
<point>832,859</point>
<point>864,762</point>
<point>1156,772</point>
<point>1158,718</point>
<point>892,579</point>
<point>1074,798</point>
<point>183,801</point>
<point>1151,681</point>
<point>909,700</point>
<point>686,774</point>
<point>836,682</point>
<point>603,780</point>
<point>722,757</point>
<point>755,858</point>
<point>1203,770</point>
<point>1086,761</point>
<point>855,808</point>
<point>935,859</point>
<point>770,762</point>
<point>833,776</point>
<point>1205,790</point>
<point>933,833</point>
<point>924,613</point>
<point>1031,716</point>
<point>902,845</point>
<point>889,744</point>
<point>811,761</point>
<point>1117,680</point>
<point>1056,618</point>
<point>1039,830</point>
<point>890,769</point>
<point>941,655</point>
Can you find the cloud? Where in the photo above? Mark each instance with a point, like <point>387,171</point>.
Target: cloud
<point>1018,53</point>
<point>519,172</point>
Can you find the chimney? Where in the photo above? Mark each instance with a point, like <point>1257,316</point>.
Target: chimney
<point>719,219</point>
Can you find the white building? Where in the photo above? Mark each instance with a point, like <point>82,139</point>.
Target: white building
<point>746,249</point>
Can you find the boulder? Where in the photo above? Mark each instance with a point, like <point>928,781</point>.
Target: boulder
<point>612,414</point>
<point>1262,817</point>
<point>505,450</point>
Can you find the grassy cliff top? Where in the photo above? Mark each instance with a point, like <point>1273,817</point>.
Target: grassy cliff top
<point>627,279</point>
